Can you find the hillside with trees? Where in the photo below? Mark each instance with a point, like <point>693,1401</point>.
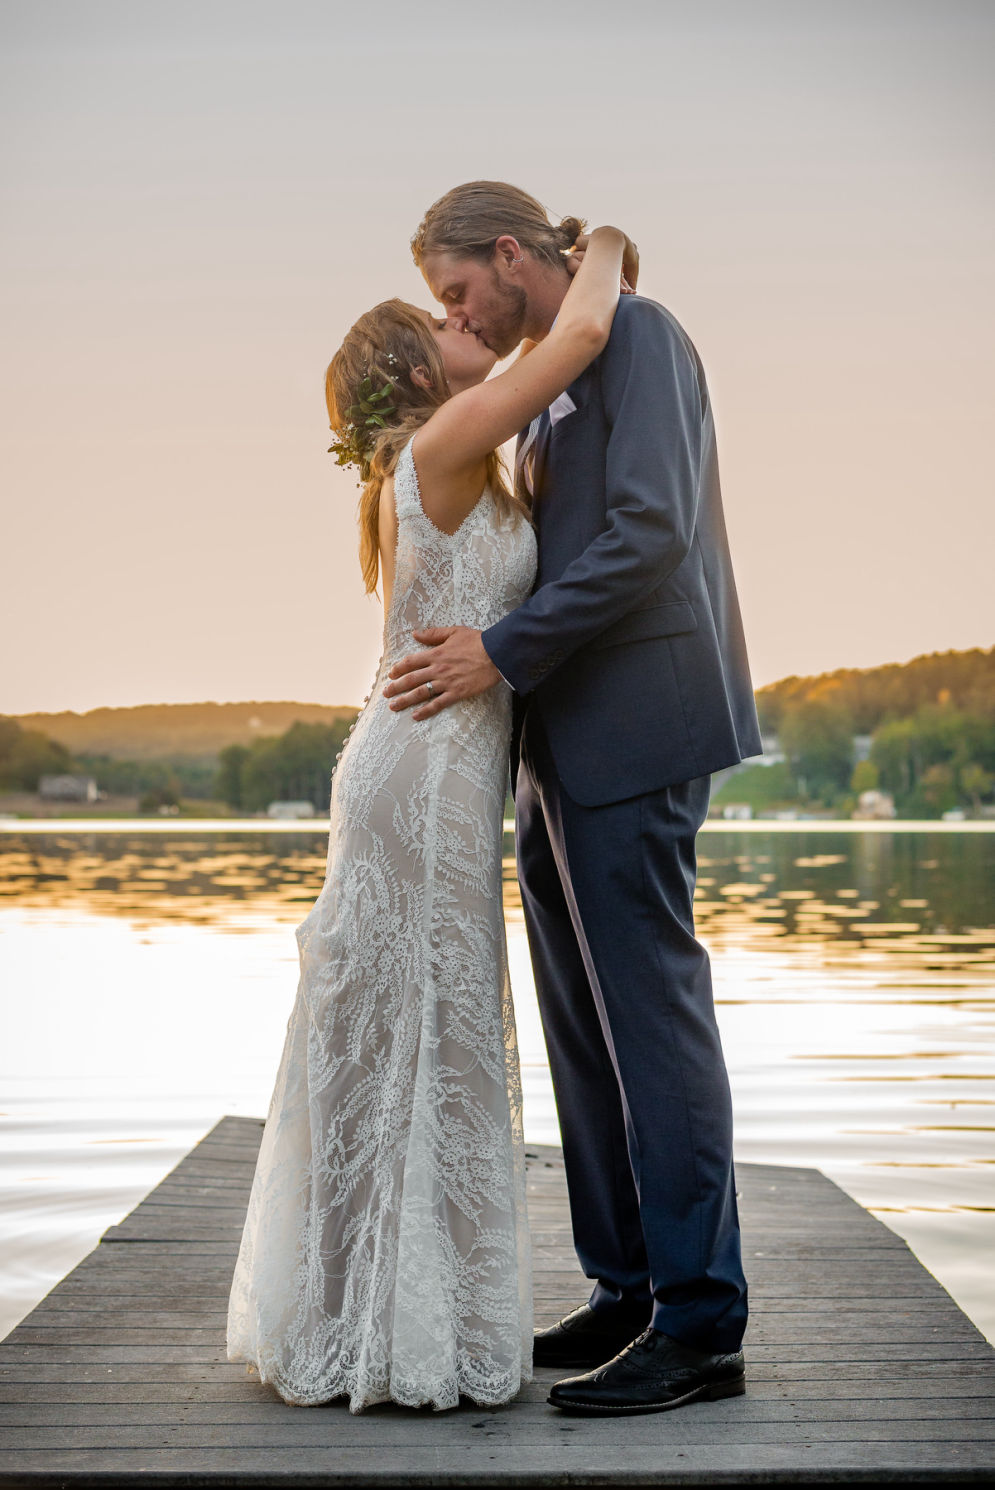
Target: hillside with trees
<point>870,696</point>
<point>923,731</point>
<point>256,762</point>
<point>27,754</point>
<point>161,731</point>
<point>293,767</point>
<point>931,724</point>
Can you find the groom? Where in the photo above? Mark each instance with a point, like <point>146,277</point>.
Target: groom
<point>632,686</point>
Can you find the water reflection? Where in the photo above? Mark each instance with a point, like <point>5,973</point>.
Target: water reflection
<point>150,974</point>
<point>198,880</point>
<point>813,888</point>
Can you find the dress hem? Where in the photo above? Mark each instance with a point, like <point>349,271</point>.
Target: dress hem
<point>501,1398</point>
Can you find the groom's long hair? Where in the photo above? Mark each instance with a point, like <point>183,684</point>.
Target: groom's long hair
<point>470,219</point>
<point>384,345</point>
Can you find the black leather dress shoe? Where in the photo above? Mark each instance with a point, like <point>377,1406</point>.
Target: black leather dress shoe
<point>585,1337</point>
<point>653,1374</point>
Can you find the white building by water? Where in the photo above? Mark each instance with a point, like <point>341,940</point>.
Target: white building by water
<point>290,809</point>
<point>67,788</point>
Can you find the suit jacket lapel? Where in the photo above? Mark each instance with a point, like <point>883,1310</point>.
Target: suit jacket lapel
<point>541,448</point>
<point>578,392</point>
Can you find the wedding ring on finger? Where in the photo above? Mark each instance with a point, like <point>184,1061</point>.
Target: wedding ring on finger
<point>431,688</point>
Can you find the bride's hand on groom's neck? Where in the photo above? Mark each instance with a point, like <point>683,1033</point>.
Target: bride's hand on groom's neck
<point>630,261</point>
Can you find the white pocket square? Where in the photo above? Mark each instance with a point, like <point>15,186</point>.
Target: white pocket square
<point>561,407</point>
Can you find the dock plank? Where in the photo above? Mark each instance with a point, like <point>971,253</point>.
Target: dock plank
<point>861,1368</point>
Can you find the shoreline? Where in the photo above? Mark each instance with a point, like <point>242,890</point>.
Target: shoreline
<point>320,825</point>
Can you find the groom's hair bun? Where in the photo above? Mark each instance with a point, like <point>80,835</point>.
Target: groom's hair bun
<point>470,219</point>
<point>571,229</point>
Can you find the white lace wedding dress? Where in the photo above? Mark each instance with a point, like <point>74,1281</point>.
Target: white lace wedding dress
<point>385,1254</point>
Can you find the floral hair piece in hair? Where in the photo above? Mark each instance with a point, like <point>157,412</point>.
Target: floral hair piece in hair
<point>350,448</point>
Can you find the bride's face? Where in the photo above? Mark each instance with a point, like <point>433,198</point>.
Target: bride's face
<point>479,297</point>
<point>467,359</point>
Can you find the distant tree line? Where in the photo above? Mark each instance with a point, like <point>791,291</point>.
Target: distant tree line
<point>295,766</point>
<point>157,783</point>
<point>176,731</point>
<point>875,694</point>
<point>26,754</point>
<point>931,724</point>
<point>938,758</point>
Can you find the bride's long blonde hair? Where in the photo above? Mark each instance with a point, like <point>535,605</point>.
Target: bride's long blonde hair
<point>383,346</point>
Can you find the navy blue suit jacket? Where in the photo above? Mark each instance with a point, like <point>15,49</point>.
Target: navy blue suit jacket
<point>631,644</point>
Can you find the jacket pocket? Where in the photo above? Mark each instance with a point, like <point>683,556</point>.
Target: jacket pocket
<point>671,619</point>
<point>560,408</point>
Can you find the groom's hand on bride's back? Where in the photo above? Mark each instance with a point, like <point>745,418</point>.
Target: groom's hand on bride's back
<point>455,666</point>
<point>630,261</point>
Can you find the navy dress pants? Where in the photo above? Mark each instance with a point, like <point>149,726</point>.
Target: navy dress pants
<point>641,1088</point>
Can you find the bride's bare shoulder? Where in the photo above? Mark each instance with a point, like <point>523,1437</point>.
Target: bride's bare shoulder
<point>447,494</point>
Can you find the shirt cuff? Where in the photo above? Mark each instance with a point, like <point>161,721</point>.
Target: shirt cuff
<point>495,666</point>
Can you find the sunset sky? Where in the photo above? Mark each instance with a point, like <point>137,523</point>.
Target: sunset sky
<point>199,198</point>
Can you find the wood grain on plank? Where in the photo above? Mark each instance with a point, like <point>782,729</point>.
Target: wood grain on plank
<point>859,1362</point>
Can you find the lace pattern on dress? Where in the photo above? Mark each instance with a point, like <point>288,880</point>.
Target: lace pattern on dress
<point>385,1254</point>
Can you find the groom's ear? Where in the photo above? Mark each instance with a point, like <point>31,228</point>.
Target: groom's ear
<point>507,253</point>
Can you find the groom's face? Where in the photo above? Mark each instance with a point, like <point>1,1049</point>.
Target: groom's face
<point>480,298</point>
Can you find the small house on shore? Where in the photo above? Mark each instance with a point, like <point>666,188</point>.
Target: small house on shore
<point>874,805</point>
<point>290,809</point>
<point>67,788</point>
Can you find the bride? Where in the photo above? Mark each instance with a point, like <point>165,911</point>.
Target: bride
<point>385,1255</point>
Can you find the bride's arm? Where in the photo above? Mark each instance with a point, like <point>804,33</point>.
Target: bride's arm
<point>468,426</point>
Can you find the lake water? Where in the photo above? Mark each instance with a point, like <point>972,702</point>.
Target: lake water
<point>148,971</point>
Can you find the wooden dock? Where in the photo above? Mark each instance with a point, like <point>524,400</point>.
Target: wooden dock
<point>860,1366</point>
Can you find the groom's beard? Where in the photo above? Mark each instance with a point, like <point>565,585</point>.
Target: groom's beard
<point>502,325</point>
